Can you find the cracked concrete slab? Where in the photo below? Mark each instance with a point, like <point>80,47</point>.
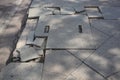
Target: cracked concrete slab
<point>30,26</point>
<point>30,37</point>
<point>39,42</point>
<point>28,53</point>
<point>22,71</point>
<point>58,64</point>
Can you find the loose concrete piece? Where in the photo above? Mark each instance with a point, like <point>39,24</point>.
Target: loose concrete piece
<point>39,42</point>
<point>109,27</point>
<point>44,11</point>
<point>29,53</point>
<point>59,64</point>
<point>83,72</point>
<point>33,12</point>
<point>30,37</point>
<point>22,71</point>
<point>110,12</point>
<point>79,9</point>
<point>106,59</point>
<point>54,10</point>
<point>67,10</point>
<point>64,32</point>
<point>30,25</point>
<point>93,12</point>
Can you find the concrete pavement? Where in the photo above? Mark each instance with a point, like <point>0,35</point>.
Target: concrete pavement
<point>68,40</point>
<point>12,18</point>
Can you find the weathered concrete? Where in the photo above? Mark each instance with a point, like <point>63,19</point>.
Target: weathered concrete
<point>83,72</point>
<point>22,71</point>
<point>28,53</point>
<point>109,27</point>
<point>110,12</point>
<point>59,64</point>
<point>16,19</point>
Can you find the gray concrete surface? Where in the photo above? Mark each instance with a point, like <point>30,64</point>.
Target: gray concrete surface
<point>69,52</point>
<point>11,21</point>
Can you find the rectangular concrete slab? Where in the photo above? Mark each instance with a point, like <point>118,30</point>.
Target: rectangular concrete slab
<point>109,27</point>
<point>22,71</point>
<point>64,32</point>
<point>110,12</point>
<point>106,59</point>
<point>29,53</point>
<point>30,25</point>
<point>58,64</point>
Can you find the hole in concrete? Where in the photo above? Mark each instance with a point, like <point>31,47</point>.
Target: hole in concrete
<point>80,28</point>
<point>46,29</point>
<point>36,17</point>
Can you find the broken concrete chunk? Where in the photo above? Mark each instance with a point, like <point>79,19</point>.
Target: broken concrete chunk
<point>54,10</point>
<point>16,56</point>
<point>39,42</point>
<point>30,38</point>
<point>34,12</point>
<point>28,53</point>
<point>67,10</point>
<point>93,12</point>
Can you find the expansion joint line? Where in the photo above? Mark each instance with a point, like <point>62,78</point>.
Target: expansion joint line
<point>87,65</point>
